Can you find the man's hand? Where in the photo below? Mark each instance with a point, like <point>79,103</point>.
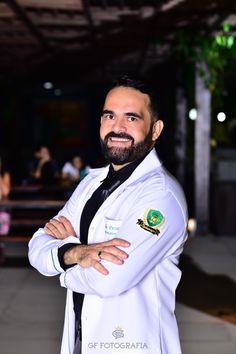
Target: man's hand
<point>91,255</point>
<point>60,228</point>
<point>87,255</point>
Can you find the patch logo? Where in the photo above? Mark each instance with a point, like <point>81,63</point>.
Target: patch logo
<point>151,221</point>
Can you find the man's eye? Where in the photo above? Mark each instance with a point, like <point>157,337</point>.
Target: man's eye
<point>132,119</point>
<point>108,116</point>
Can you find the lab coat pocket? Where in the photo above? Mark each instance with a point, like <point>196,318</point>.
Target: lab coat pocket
<point>111,228</point>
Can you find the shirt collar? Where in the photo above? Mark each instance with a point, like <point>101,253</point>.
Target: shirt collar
<point>125,171</point>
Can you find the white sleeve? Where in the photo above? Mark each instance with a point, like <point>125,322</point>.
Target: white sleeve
<point>43,249</point>
<point>43,252</point>
<point>146,250</point>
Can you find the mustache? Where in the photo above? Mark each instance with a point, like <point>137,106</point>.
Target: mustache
<point>118,135</point>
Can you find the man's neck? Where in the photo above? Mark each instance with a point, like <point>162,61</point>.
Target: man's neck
<point>119,167</point>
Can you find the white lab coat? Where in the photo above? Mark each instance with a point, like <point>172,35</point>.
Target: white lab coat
<point>131,310</point>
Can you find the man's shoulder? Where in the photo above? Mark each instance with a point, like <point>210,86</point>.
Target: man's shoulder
<point>161,179</point>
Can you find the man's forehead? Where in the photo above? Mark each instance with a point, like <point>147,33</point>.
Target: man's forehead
<point>127,93</point>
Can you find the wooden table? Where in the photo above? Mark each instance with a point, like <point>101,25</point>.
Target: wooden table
<point>27,215</point>
<point>31,204</point>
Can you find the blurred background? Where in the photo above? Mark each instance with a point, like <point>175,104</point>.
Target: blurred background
<point>57,59</point>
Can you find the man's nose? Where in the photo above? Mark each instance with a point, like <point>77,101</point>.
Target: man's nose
<point>119,125</point>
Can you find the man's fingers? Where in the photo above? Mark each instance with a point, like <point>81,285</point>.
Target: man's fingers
<point>111,257</point>
<point>100,268</point>
<point>116,252</point>
<point>55,229</point>
<point>51,227</point>
<point>60,228</point>
<point>64,219</point>
<point>55,234</point>
<point>67,225</point>
<point>55,224</point>
<point>49,232</point>
<point>116,242</point>
<point>120,242</point>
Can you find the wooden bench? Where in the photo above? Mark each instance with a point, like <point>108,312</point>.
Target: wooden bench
<point>26,217</point>
<point>10,204</point>
<point>14,238</point>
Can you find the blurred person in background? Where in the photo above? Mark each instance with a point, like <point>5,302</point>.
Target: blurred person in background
<point>5,179</point>
<point>74,170</point>
<point>5,189</point>
<point>44,170</point>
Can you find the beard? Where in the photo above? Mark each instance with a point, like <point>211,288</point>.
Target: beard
<point>120,156</point>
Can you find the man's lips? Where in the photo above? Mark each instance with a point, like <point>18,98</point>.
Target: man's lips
<point>118,140</point>
<point>125,140</point>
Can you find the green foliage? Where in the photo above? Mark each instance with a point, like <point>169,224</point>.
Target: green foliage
<point>216,51</point>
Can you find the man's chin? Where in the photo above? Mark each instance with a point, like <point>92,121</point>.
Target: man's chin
<point>119,146</point>
<point>122,155</point>
<point>117,150</point>
<point>118,156</point>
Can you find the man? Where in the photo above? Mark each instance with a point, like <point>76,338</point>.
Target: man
<point>117,241</point>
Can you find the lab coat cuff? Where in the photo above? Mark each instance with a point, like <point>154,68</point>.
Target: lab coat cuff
<point>55,260</point>
<point>63,279</point>
<point>54,252</point>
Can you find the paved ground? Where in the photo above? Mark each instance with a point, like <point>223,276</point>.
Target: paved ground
<point>206,307</point>
<point>32,306</point>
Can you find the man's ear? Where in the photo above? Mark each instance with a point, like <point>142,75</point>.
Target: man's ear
<point>157,129</point>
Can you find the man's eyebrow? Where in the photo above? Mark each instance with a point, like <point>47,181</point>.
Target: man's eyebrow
<point>128,114</point>
<point>107,111</point>
<point>133,114</point>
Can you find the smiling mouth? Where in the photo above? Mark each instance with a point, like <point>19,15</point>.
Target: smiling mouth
<point>119,139</point>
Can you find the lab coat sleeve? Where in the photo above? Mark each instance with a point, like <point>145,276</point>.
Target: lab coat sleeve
<point>43,249</point>
<point>145,252</point>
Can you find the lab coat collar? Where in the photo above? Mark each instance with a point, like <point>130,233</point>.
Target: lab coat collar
<point>150,163</point>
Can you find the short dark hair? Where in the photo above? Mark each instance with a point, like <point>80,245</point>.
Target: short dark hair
<point>142,86</point>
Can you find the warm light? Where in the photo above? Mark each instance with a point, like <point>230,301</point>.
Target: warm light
<point>221,117</point>
<point>193,114</point>
<point>48,85</point>
<point>213,143</point>
<point>192,225</point>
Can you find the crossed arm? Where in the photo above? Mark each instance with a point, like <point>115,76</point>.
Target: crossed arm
<point>87,255</point>
<point>145,251</point>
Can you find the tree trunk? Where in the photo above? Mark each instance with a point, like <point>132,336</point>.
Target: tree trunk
<point>202,151</point>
